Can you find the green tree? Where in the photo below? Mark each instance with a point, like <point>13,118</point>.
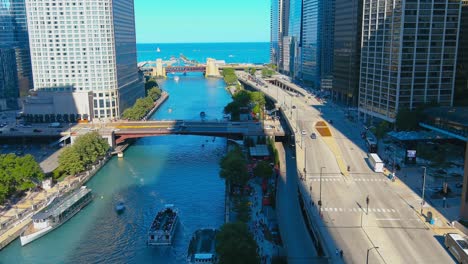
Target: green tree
<point>234,168</point>
<point>382,129</point>
<point>252,71</point>
<point>243,210</point>
<point>407,120</point>
<point>154,93</point>
<point>235,244</point>
<point>18,174</point>
<point>263,170</point>
<point>266,73</point>
<point>70,162</point>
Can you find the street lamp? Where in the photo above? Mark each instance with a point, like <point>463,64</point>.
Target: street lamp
<point>424,186</point>
<point>320,191</point>
<point>367,258</point>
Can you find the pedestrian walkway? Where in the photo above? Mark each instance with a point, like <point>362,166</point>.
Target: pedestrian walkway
<point>259,222</point>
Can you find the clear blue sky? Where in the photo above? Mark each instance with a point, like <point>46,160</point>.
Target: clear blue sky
<point>182,21</point>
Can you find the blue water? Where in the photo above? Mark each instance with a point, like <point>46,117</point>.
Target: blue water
<point>154,171</point>
<point>230,52</point>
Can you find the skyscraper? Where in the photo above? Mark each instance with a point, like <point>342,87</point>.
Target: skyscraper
<point>311,42</point>
<point>347,50</point>
<point>408,55</point>
<point>326,52</point>
<point>21,45</point>
<point>80,46</point>
<point>461,82</point>
<point>8,71</point>
<point>295,34</point>
<point>279,22</point>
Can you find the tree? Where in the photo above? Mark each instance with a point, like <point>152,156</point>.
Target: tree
<point>154,93</point>
<point>235,244</point>
<point>252,71</point>
<point>382,129</point>
<point>234,168</point>
<point>70,161</point>
<point>18,174</point>
<point>242,208</point>
<point>263,170</point>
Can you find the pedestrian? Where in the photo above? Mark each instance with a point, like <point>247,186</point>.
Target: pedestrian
<point>341,253</point>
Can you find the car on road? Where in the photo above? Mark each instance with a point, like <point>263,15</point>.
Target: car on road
<point>293,107</point>
<point>37,130</point>
<point>313,136</point>
<point>304,132</point>
<point>170,128</point>
<point>13,129</point>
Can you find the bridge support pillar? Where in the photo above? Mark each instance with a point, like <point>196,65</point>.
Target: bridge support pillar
<point>211,68</point>
<point>159,70</point>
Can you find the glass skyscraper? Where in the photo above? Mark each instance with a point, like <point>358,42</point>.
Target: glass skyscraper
<point>311,42</point>
<point>279,28</point>
<point>8,72</point>
<point>408,55</point>
<point>327,25</point>
<point>461,82</point>
<point>86,46</point>
<point>295,34</point>
<point>347,50</point>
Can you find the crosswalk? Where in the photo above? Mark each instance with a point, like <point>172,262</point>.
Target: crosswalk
<point>358,210</point>
<point>337,179</point>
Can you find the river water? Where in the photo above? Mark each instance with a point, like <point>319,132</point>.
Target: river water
<point>154,171</point>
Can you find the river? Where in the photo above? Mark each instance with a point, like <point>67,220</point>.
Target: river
<point>182,170</point>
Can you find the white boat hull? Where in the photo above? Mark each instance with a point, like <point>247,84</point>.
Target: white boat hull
<point>30,238</point>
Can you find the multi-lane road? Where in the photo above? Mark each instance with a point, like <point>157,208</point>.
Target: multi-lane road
<point>386,229</point>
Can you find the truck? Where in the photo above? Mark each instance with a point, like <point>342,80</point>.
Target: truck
<point>376,163</point>
<point>55,125</point>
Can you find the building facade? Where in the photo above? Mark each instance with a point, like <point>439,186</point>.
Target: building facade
<point>21,45</point>
<point>461,82</point>
<point>328,30</point>
<point>279,21</point>
<point>8,79</point>
<point>311,43</point>
<point>347,51</point>
<point>295,34</point>
<point>89,46</point>
<point>408,55</point>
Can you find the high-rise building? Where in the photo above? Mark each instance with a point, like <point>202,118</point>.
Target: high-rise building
<point>279,21</point>
<point>347,51</point>
<point>8,72</point>
<point>295,34</point>
<point>8,79</point>
<point>83,46</point>
<point>326,51</point>
<point>311,42</point>
<point>461,82</point>
<point>21,45</point>
<point>408,55</point>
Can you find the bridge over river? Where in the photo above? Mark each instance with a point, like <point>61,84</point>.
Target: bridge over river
<point>118,132</point>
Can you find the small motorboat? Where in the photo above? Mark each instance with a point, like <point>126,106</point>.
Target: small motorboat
<point>202,114</point>
<point>120,207</point>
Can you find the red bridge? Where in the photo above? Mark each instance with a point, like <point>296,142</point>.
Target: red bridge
<point>185,69</point>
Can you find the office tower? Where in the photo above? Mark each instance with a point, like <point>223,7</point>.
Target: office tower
<point>408,55</point>
<point>279,21</point>
<point>347,51</point>
<point>8,79</point>
<point>311,42</point>
<point>8,72</point>
<point>21,45</point>
<point>85,46</point>
<point>295,33</point>
<point>461,81</point>
<point>327,25</point>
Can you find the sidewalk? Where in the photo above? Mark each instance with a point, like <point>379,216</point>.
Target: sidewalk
<point>441,224</point>
<point>266,248</point>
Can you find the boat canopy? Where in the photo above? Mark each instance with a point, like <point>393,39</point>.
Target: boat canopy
<point>55,209</point>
